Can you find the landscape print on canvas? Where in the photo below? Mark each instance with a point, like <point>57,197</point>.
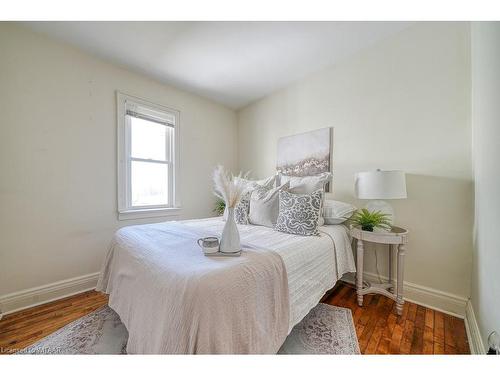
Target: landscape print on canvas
<point>305,154</point>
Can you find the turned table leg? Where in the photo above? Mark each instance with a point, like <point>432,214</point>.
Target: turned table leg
<point>359,271</point>
<point>391,289</point>
<point>399,299</point>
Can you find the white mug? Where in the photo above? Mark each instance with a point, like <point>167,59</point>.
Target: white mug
<point>209,244</point>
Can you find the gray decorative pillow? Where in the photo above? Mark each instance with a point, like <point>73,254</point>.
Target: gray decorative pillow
<point>242,209</point>
<point>264,205</point>
<point>299,213</point>
<point>308,185</point>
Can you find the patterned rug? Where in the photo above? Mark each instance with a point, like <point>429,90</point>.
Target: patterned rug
<point>325,330</point>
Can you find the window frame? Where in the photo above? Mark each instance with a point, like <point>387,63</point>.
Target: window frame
<point>125,209</point>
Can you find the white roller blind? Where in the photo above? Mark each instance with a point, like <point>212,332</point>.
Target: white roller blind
<point>149,114</point>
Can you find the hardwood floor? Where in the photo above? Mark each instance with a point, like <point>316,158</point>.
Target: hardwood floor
<point>419,330</point>
<point>23,328</point>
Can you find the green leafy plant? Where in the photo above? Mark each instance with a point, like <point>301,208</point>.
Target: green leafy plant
<point>220,206</point>
<point>369,220</point>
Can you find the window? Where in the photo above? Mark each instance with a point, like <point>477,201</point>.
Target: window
<point>148,159</point>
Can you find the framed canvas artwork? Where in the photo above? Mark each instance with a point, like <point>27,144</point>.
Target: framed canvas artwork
<point>305,154</point>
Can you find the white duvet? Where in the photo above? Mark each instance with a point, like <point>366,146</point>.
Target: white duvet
<point>172,299</point>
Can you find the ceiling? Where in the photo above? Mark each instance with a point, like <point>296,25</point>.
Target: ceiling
<point>233,63</point>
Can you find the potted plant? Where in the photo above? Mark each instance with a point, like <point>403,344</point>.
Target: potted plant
<point>220,206</point>
<point>367,220</point>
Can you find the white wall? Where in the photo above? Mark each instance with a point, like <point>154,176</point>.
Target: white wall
<point>58,207</point>
<point>486,125</point>
<point>403,104</point>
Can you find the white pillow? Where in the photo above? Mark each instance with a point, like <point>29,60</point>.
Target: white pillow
<point>264,206</point>
<point>306,184</point>
<point>266,182</point>
<point>336,212</point>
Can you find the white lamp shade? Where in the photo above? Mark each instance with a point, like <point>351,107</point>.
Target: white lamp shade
<point>381,185</point>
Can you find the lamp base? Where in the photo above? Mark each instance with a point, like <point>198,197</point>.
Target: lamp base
<point>383,207</point>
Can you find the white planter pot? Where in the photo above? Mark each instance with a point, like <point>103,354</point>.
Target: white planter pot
<point>230,240</point>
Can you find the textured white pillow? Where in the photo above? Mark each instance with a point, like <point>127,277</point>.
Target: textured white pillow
<point>268,183</point>
<point>336,212</point>
<point>252,184</point>
<point>264,205</point>
<point>306,184</point>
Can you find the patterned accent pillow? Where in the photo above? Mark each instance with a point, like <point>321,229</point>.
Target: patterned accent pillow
<point>308,185</point>
<point>299,213</point>
<point>242,209</point>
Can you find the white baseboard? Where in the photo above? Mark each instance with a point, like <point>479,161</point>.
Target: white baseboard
<point>473,334</point>
<point>428,297</point>
<point>435,299</point>
<point>23,299</point>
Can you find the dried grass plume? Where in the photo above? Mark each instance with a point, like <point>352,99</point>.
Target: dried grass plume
<point>228,187</point>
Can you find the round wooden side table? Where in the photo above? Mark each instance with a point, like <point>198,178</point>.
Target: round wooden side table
<point>397,238</point>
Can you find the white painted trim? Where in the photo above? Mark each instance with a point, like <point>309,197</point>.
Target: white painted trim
<point>438,300</point>
<point>149,213</point>
<point>24,299</point>
<point>473,333</point>
<point>123,160</point>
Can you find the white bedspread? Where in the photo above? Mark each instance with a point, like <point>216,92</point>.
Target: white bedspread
<point>154,276</point>
<point>313,264</point>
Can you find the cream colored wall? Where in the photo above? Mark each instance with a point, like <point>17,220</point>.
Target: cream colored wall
<point>403,104</point>
<point>486,124</point>
<point>58,207</point>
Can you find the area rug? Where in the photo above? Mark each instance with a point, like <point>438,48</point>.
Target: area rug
<point>325,330</point>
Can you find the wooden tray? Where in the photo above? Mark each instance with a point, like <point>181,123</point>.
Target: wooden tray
<point>220,254</point>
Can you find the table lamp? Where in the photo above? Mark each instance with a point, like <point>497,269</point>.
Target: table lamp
<point>379,185</point>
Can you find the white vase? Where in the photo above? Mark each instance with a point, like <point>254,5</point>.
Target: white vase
<point>230,240</point>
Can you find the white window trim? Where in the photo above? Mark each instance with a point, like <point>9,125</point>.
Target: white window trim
<point>124,211</point>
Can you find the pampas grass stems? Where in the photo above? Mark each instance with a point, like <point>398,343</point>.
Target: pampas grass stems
<point>228,187</point>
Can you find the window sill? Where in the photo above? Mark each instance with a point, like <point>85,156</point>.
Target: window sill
<point>148,213</point>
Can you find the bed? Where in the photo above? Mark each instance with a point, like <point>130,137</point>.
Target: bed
<point>173,299</point>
